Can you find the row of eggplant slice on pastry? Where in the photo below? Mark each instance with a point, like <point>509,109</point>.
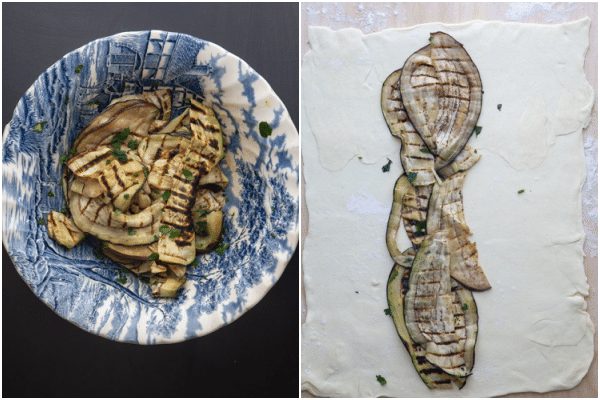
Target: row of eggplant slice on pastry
<point>432,105</point>
<point>148,187</point>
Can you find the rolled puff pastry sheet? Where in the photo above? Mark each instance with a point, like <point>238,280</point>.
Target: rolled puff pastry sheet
<point>534,331</point>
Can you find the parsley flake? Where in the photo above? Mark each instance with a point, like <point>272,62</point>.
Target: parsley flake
<point>67,100</point>
<point>477,130</point>
<point>265,129</point>
<point>64,158</point>
<point>133,144</point>
<point>380,378</point>
<point>39,126</point>
<point>131,232</point>
<point>465,307</point>
<point>119,138</point>
<point>272,234</point>
<point>221,249</point>
<point>421,226</point>
<point>424,150</point>
<point>174,233</point>
<point>188,175</point>
<point>122,281</point>
<point>41,221</point>
<point>153,256</point>
<point>386,167</point>
<point>411,176</point>
<point>499,107</point>
<point>166,194</point>
<point>50,194</point>
<point>194,263</point>
<point>78,69</point>
<point>120,155</point>
<point>387,311</point>
<point>521,191</point>
<point>126,196</point>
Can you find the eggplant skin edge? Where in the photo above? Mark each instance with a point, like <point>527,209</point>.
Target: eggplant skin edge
<point>397,272</point>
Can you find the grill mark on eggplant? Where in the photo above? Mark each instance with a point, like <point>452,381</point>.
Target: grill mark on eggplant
<point>118,178</point>
<point>209,128</point>
<point>92,163</point>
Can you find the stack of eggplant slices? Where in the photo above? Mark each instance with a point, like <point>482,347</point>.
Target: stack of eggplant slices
<point>148,188</point>
<point>432,105</point>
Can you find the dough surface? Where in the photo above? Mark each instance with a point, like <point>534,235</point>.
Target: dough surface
<point>534,331</point>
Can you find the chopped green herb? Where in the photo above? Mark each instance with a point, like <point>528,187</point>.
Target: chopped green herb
<point>126,196</point>
<point>153,256</point>
<point>477,130</point>
<point>127,271</point>
<point>421,226</point>
<point>136,175</point>
<point>499,107</point>
<point>521,191</point>
<point>424,150</point>
<point>174,233</point>
<point>265,129</point>
<point>380,378</point>
<point>119,138</point>
<point>359,157</point>
<point>117,211</point>
<point>73,151</point>
<point>91,103</point>
<point>108,161</point>
<point>465,307</point>
<point>394,275</point>
<point>120,155</point>
<point>133,144</point>
<point>99,254</point>
<point>155,191</point>
<point>272,208</point>
<point>50,194</point>
<point>65,209</point>
<point>104,245</point>
<point>78,69</point>
<point>41,221</point>
<point>188,175</point>
<point>386,167</point>
<point>430,39</point>
<point>135,182</point>
<point>67,100</point>
<point>201,228</point>
<point>408,260</point>
<point>387,311</point>
<point>226,199</point>
<point>64,158</point>
<point>122,281</point>
<point>166,194</point>
<point>127,86</point>
<point>144,279</point>
<point>187,159</point>
<point>145,171</point>
<point>411,176</point>
<point>155,238</point>
<point>131,232</point>
<point>221,249</point>
<point>60,183</point>
<point>187,100</point>
<point>194,263</point>
<point>162,209</point>
<point>272,234</point>
<point>165,229</point>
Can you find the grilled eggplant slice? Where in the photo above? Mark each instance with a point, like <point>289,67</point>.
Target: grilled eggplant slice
<point>209,229</point>
<point>446,213</point>
<point>397,286</point>
<point>166,286</point>
<point>462,162</point>
<point>414,154</point>
<point>101,220</point>
<point>430,309</point>
<point>401,188</point>
<point>63,230</point>
<point>205,151</point>
<point>414,213</point>
<point>441,90</point>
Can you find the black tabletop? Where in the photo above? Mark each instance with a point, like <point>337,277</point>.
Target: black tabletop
<point>45,355</point>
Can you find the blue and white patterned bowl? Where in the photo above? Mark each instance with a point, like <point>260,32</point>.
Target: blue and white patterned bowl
<point>263,195</point>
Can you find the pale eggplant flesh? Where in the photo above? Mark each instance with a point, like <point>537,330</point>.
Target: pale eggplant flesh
<point>446,213</point>
<point>63,230</point>
<point>436,316</point>
<point>442,92</point>
<point>397,287</point>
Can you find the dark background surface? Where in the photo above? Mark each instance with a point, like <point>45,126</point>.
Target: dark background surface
<point>47,356</point>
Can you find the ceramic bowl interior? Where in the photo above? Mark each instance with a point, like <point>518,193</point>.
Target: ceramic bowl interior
<point>261,224</point>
